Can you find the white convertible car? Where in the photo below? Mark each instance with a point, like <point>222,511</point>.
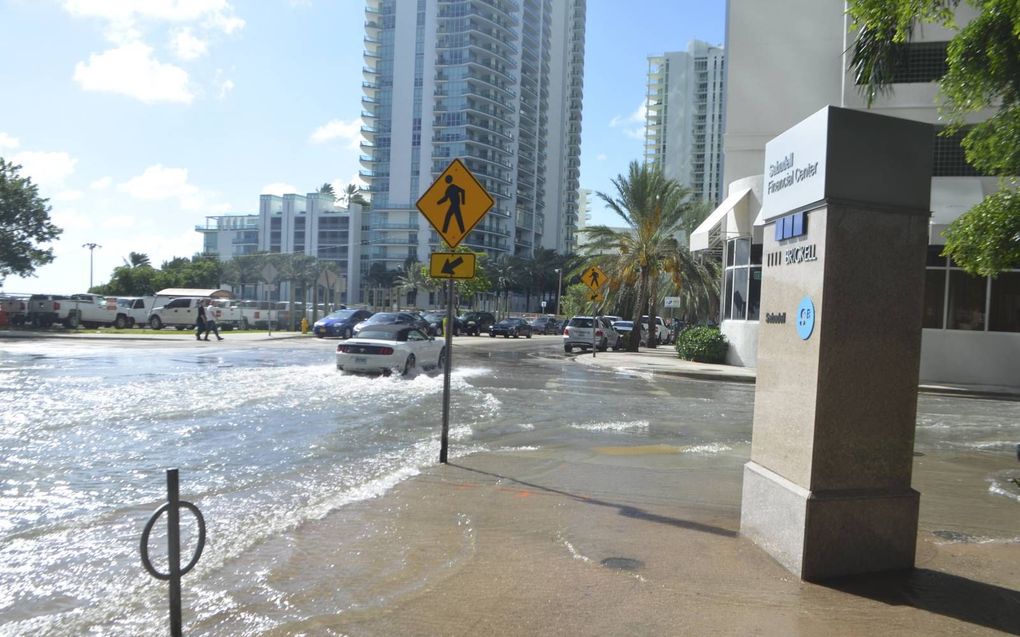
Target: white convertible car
<point>385,348</point>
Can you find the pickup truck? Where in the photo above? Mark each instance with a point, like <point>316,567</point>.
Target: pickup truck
<point>137,308</point>
<point>15,309</point>
<point>85,310</point>
<point>228,315</point>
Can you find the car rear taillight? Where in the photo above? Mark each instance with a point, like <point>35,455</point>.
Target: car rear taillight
<point>598,332</point>
<point>566,331</point>
<point>385,351</point>
<point>56,305</point>
<point>341,348</point>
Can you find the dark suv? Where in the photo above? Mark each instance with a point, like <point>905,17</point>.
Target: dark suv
<point>477,322</point>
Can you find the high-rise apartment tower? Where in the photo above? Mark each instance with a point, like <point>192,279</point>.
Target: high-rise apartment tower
<point>495,83</point>
<point>684,119</point>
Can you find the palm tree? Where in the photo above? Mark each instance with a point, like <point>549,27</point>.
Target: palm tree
<point>410,279</point>
<point>352,194</point>
<point>654,208</point>
<point>137,260</point>
<point>327,189</point>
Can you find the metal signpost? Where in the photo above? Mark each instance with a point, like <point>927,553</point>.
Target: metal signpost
<point>595,279</point>
<point>173,543</point>
<point>453,205</point>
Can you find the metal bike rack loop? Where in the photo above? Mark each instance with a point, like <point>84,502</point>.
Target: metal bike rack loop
<point>173,541</point>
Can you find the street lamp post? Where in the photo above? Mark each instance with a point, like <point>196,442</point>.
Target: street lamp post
<point>91,247</point>
<point>559,289</point>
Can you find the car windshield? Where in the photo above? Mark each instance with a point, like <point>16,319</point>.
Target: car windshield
<point>341,315</point>
<point>623,324</point>
<point>580,322</point>
<point>384,317</point>
<point>434,316</point>
<point>507,322</point>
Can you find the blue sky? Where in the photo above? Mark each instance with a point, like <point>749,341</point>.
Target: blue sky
<point>138,118</point>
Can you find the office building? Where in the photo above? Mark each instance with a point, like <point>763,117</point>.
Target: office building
<point>684,117</point>
<point>788,62</point>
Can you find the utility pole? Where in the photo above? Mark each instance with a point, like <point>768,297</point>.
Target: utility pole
<point>559,289</point>
<point>91,247</point>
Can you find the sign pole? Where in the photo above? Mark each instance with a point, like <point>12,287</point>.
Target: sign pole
<point>448,335</point>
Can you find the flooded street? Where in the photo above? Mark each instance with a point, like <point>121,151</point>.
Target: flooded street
<point>270,439</point>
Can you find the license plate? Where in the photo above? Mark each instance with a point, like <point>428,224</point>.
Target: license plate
<point>361,359</point>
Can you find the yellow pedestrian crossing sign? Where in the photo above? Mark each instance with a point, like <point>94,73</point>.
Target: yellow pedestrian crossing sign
<point>594,277</point>
<point>455,203</point>
<point>452,265</point>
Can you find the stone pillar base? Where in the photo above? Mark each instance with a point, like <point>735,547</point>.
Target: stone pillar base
<point>820,535</point>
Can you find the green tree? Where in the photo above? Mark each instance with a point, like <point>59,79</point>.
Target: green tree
<point>24,224</point>
<point>654,209</point>
<point>327,189</point>
<point>243,271</point>
<point>983,72</point>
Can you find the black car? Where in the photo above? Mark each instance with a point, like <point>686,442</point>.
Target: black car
<point>546,325</point>
<point>477,322</point>
<point>394,318</point>
<point>511,327</point>
<point>436,319</point>
<point>340,323</point>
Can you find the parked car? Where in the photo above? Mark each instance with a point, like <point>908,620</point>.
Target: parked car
<point>586,331</point>
<point>624,328</point>
<point>181,313</point>
<point>340,323</point>
<point>477,322</point>
<point>46,309</point>
<point>393,318</point>
<point>388,347</point>
<point>508,327</point>
<point>136,308</point>
<point>436,319</point>
<point>15,308</point>
<point>545,325</point>
<point>661,333</point>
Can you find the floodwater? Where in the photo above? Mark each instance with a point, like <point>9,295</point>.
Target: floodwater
<point>270,440</point>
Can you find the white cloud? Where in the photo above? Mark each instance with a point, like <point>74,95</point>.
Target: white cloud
<point>68,195</point>
<point>214,13</point>
<point>187,46</point>
<point>632,125</point>
<point>131,70</point>
<point>46,169</point>
<point>6,141</point>
<point>278,188</point>
<point>339,129</point>
<point>159,182</point>
<point>117,222</point>
<point>602,157</point>
<point>101,184</point>
<point>71,219</point>
<point>226,86</point>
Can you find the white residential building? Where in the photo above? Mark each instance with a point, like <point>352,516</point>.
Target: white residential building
<point>495,83</point>
<point>684,117</point>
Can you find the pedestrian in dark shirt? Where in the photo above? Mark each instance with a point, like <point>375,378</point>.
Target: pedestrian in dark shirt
<point>200,321</point>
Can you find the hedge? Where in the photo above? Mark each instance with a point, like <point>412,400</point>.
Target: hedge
<point>702,345</point>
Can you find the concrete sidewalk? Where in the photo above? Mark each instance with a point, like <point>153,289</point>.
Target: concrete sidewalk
<point>664,360</point>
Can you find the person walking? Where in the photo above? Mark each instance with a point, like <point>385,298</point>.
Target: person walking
<point>200,321</point>
<point>210,321</point>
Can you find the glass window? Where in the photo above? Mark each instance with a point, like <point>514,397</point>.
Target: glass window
<point>934,297</point>
<point>966,301</point>
<point>728,294</point>
<point>739,294</point>
<point>1004,313</point>
<point>754,293</point>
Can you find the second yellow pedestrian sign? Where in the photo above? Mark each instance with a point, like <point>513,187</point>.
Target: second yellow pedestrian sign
<point>455,203</point>
<point>594,278</point>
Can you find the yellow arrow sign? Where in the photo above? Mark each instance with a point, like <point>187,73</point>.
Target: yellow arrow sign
<point>596,296</point>
<point>455,203</point>
<point>594,277</point>
<point>452,265</point>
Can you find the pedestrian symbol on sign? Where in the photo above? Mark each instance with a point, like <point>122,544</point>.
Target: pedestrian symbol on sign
<point>456,196</point>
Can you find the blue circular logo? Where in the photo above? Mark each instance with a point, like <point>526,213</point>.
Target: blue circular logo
<point>805,318</point>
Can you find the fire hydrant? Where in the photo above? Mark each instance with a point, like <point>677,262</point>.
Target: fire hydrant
<point>304,325</point>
